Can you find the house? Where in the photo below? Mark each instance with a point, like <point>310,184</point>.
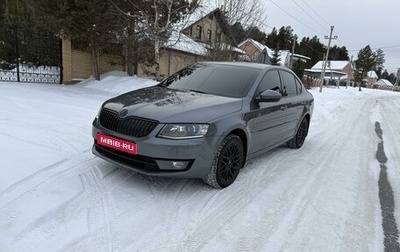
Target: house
<point>371,79</point>
<point>203,35</point>
<point>258,52</point>
<point>383,84</point>
<point>286,58</point>
<point>338,72</point>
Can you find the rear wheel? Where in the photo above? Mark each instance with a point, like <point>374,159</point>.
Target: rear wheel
<point>297,141</point>
<point>228,160</point>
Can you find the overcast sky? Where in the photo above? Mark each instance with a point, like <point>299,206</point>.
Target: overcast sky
<point>357,23</point>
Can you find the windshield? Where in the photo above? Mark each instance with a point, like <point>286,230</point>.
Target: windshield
<point>223,80</point>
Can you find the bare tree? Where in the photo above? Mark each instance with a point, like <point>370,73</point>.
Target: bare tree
<point>249,13</point>
<point>152,22</point>
<point>238,16</point>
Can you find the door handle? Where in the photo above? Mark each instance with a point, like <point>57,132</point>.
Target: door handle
<point>283,107</point>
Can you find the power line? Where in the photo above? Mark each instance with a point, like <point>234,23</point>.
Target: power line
<point>308,14</point>
<point>316,13</point>
<point>376,48</point>
<point>294,17</point>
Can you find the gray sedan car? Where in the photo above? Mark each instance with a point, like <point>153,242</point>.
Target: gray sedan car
<point>204,121</point>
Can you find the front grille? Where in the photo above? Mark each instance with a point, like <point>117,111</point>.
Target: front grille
<point>139,162</point>
<point>131,126</point>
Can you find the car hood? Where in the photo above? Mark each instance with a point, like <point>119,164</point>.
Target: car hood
<point>170,105</point>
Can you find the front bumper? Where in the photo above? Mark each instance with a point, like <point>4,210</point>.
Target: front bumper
<point>190,158</point>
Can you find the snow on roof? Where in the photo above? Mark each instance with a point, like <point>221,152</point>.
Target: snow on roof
<point>284,56</point>
<point>181,42</point>
<point>328,74</point>
<point>372,74</point>
<point>259,46</point>
<point>301,57</point>
<point>383,82</point>
<point>228,47</point>
<point>334,64</point>
<point>198,13</point>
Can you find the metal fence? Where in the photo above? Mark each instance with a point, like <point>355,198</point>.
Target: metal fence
<point>28,56</point>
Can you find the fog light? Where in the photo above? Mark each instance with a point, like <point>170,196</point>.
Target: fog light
<point>172,165</point>
<point>179,165</point>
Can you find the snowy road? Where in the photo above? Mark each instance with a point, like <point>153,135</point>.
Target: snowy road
<point>56,196</point>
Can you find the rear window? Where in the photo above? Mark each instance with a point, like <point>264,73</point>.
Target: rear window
<point>223,80</point>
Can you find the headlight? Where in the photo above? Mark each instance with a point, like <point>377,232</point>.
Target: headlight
<point>183,131</point>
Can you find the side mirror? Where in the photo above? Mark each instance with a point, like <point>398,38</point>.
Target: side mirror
<point>269,96</point>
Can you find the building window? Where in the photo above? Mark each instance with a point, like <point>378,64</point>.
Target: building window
<point>219,35</point>
<point>209,35</point>
<point>198,32</point>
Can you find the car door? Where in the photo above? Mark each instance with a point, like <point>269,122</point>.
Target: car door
<point>292,100</point>
<point>265,119</point>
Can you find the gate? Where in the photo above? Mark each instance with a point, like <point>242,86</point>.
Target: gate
<point>28,56</point>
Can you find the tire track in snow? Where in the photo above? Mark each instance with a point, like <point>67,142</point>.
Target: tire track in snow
<point>58,219</point>
<point>101,220</point>
<point>289,218</point>
<point>53,173</point>
<point>94,198</point>
<point>209,223</point>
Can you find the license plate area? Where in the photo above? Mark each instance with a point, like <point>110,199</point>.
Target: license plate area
<point>116,143</point>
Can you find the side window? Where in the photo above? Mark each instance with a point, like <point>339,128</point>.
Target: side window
<point>299,86</point>
<point>289,85</point>
<point>270,81</point>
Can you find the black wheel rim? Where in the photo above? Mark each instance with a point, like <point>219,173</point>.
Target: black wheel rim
<point>230,162</point>
<point>302,133</point>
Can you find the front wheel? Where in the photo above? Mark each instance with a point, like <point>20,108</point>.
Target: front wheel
<point>297,141</point>
<point>228,160</point>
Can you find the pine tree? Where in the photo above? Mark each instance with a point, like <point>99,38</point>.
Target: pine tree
<point>255,33</point>
<point>281,39</point>
<point>379,61</point>
<point>368,60</point>
<point>275,59</point>
<point>312,48</point>
<point>338,53</point>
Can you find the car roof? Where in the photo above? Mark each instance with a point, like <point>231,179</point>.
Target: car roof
<point>238,64</point>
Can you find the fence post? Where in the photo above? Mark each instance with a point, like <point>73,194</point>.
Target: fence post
<point>17,51</point>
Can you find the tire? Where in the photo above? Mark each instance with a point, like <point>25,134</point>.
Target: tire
<point>228,160</point>
<point>297,141</point>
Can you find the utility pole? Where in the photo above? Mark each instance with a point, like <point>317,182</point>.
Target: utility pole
<point>326,58</point>
<point>293,46</point>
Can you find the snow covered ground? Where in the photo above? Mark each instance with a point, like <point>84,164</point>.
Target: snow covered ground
<point>56,196</point>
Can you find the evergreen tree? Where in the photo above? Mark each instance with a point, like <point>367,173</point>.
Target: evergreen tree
<point>379,61</point>
<point>392,78</point>
<point>298,68</point>
<point>312,48</point>
<point>275,59</point>
<point>338,53</point>
<point>255,33</point>
<point>2,10</point>
<point>238,32</point>
<point>385,75</point>
<point>367,60</point>
<point>285,36</point>
<point>272,39</point>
